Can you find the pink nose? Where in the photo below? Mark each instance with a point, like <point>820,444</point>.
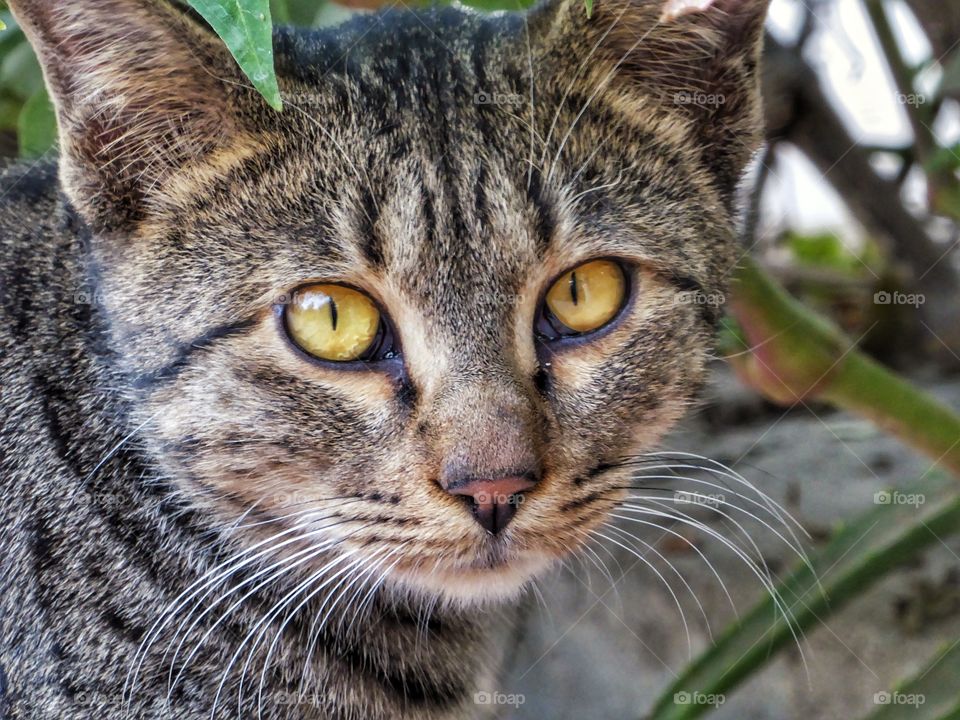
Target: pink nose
<point>494,502</point>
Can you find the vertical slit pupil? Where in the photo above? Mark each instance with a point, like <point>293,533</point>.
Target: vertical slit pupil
<point>574,293</point>
<point>333,313</point>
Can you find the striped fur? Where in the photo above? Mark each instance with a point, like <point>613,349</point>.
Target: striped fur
<point>155,422</point>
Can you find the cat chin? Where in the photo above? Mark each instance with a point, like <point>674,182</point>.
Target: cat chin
<point>472,587</point>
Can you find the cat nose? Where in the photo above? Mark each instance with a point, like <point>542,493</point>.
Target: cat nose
<point>494,502</point>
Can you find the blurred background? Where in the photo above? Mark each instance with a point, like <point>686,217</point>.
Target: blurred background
<point>854,207</point>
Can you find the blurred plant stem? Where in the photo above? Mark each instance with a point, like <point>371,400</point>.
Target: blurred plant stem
<point>921,114</point>
<point>930,695</point>
<point>903,76</point>
<point>794,356</point>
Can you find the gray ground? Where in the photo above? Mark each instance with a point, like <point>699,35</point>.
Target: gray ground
<point>599,653</point>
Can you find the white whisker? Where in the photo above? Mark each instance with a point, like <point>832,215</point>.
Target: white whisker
<point>697,550</point>
<point>676,600</point>
<point>670,565</point>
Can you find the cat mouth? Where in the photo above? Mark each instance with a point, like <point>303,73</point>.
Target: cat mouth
<point>495,555</point>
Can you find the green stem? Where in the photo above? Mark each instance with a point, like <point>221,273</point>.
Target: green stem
<point>863,386</point>
<point>934,691</point>
<point>796,356</point>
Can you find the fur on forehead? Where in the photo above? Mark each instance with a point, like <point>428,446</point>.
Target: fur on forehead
<point>144,90</point>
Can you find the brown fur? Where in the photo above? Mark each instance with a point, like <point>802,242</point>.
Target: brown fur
<point>157,423</point>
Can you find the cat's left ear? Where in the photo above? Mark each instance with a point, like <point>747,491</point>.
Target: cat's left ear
<point>142,91</point>
<point>696,61</point>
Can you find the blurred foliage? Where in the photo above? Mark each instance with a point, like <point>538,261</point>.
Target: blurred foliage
<point>861,553</point>
<point>947,158</point>
<point>950,83</point>
<point>26,114</point>
<point>828,251</point>
<point>305,13</point>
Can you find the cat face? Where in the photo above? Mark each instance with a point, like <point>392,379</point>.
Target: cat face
<point>420,318</point>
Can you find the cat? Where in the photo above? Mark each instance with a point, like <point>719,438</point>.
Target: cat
<point>296,404</point>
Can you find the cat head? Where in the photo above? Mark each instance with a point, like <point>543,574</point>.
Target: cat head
<point>421,317</point>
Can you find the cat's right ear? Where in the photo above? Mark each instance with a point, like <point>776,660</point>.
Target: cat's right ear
<point>142,91</point>
<point>694,64</point>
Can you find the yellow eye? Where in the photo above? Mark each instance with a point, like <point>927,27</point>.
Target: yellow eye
<point>587,297</point>
<point>333,322</point>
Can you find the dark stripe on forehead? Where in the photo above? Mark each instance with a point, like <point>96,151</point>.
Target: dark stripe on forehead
<point>251,169</point>
<point>545,217</point>
<point>370,243</point>
<point>185,352</point>
<point>480,193</point>
<point>479,60</point>
<point>429,211</point>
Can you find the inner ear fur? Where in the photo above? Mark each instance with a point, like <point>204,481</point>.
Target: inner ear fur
<point>698,62</point>
<point>140,88</point>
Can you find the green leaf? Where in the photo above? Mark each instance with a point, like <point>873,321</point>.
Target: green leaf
<point>861,553</point>
<point>20,72</point>
<point>301,13</point>
<point>946,200</point>
<point>13,35</point>
<point>10,108</point>
<point>825,250</point>
<point>730,337</point>
<point>245,26</point>
<point>588,4</point>
<point>932,695</point>
<point>945,159</point>
<point>280,10</point>
<point>37,125</point>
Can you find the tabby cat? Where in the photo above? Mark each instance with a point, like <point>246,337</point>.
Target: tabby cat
<point>295,405</point>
